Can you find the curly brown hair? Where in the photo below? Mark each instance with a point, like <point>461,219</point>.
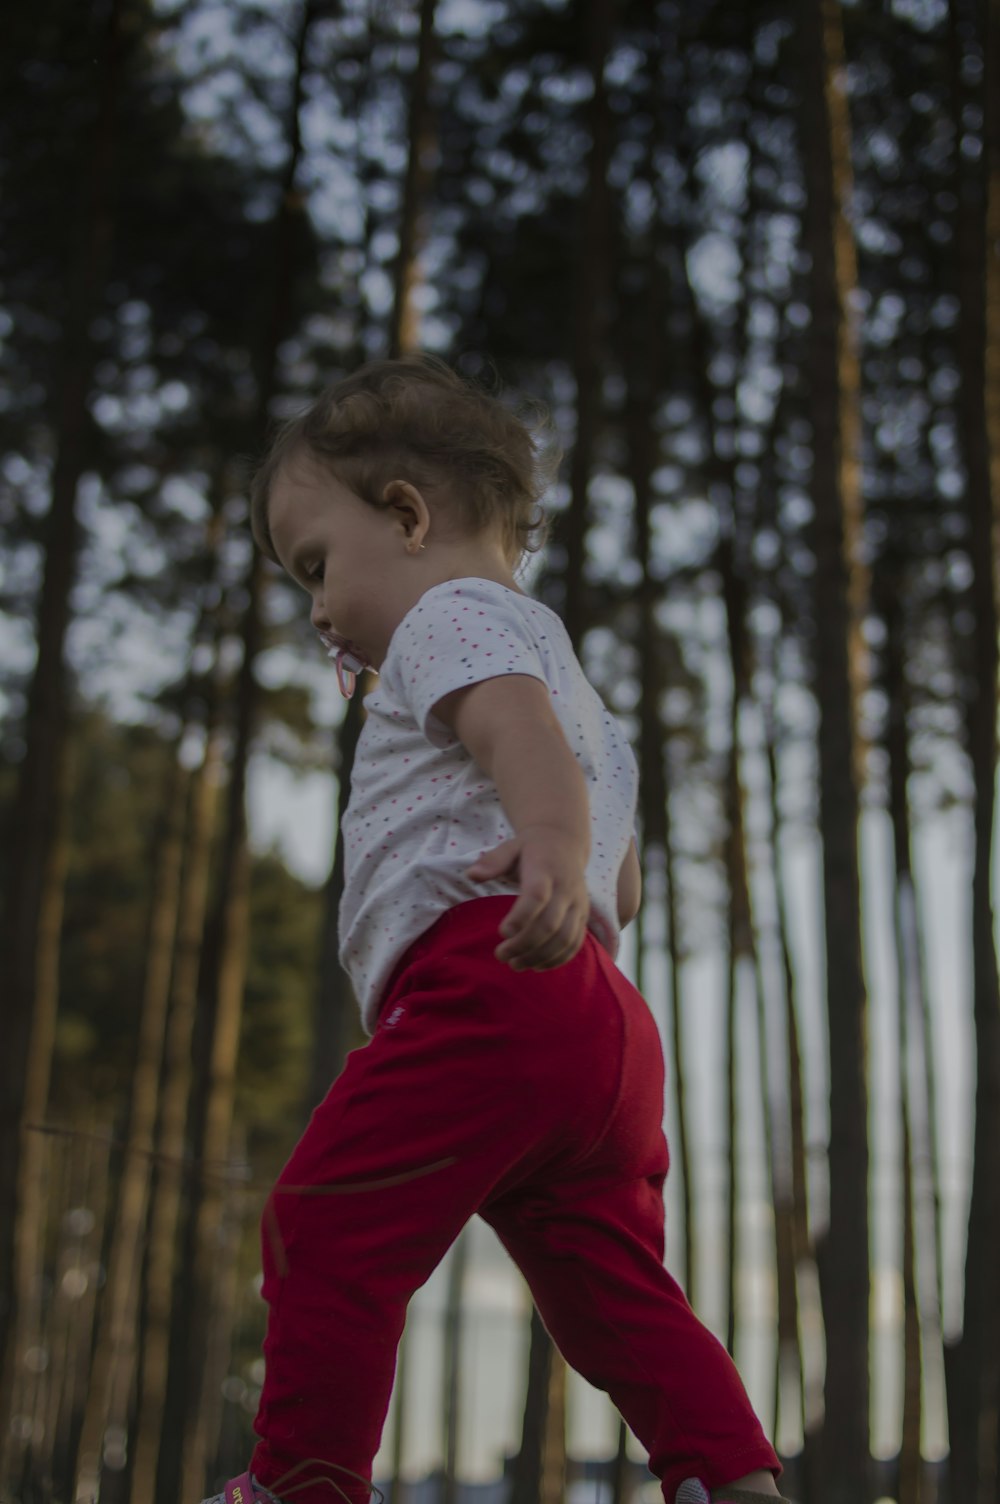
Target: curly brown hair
<point>416,419</point>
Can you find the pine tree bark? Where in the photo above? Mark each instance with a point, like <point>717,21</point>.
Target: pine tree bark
<point>839,598</point>
<point>33,900</point>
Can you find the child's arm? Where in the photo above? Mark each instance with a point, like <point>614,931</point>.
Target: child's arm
<point>629,885</point>
<point>508,726</point>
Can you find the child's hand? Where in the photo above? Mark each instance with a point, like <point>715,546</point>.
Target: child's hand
<point>546,926</point>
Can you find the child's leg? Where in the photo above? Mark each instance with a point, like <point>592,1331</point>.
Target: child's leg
<point>365,1209</point>
<point>591,1256</point>
<point>590,1243</point>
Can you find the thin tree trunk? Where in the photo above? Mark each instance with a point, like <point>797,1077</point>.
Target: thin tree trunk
<point>81,1205</point>
<point>175,1095</point>
<point>910,1013</point>
<point>29,1234</point>
<point>335,1016</point>
<point>643,373</point>
<point>184,1466</point>
<point>399,1489</point>
<point>973,1364</point>
<point>590,320</point>
<point>839,598</point>
<point>33,907</point>
<point>738,919</point>
<point>808,1375</point>
<point>115,1350</point>
<point>405,326</point>
<point>540,1467</point>
<point>540,1472</point>
<point>218,1344</point>
<point>451,1395</point>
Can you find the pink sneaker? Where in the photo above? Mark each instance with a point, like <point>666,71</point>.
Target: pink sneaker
<point>246,1490</point>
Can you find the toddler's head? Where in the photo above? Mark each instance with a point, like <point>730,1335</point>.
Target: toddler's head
<point>480,468</point>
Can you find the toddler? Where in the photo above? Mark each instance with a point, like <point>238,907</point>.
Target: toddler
<point>512,1069</point>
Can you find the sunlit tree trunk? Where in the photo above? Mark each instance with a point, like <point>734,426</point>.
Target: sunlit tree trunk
<point>175,1092</point>
<point>973,1365</point>
<point>37,832</point>
<point>82,1204</point>
<point>115,1348</point>
<point>839,594</point>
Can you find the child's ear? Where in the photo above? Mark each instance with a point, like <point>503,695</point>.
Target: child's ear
<point>410,506</point>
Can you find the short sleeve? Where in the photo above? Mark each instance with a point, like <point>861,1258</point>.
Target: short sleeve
<point>457,635</point>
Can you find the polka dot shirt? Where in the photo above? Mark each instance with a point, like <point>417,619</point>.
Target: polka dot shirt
<point>421,810</point>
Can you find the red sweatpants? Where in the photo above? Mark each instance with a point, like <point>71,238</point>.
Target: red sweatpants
<point>536,1100</point>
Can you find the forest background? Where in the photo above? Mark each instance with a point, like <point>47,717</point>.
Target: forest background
<point>748,255</point>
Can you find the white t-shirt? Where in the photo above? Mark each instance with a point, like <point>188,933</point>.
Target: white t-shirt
<point>421,810</point>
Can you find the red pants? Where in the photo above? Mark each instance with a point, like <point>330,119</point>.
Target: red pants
<point>536,1100</point>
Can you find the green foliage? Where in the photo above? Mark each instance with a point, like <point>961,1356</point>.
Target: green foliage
<point>120,776</point>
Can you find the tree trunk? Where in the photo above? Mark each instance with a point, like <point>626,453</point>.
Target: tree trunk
<point>115,1350</point>
<point>336,1022</point>
<point>175,1094</point>
<point>451,1396</point>
<point>590,320</point>
<point>218,1342</point>
<point>540,1467</point>
<point>183,1467</point>
<point>405,327</point>
<point>644,371</point>
<point>911,1013</point>
<point>839,598</point>
<point>33,907</point>
<point>399,1489</point>
<point>112,1379</point>
<point>973,1365</point>
<point>794,1242</point>
<point>82,1205</point>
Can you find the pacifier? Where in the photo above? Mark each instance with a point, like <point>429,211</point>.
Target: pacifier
<point>345,660</point>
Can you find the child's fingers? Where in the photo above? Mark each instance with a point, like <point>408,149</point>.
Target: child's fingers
<point>562,947</point>
<point>544,939</point>
<point>528,909</point>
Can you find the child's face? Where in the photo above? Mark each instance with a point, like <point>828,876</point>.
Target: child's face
<point>361,565</point>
